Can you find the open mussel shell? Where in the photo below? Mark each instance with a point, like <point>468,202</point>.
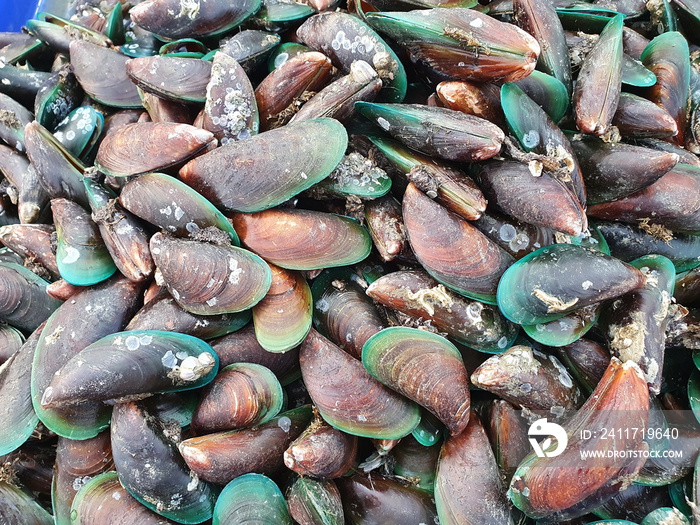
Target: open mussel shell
<point>170,20</point>
<point>342,311</point>
<point>154,361</point>
<point>348,397</point>
<point>461,43</point>
<point>92,313</point>
<point>313,502</point>
<point>283,317</point>
<point>19,418</point>
<point>424,367</point>
<point>513,189</point>
<point>16,506</point>
<point>310,239</point>
<point>442,132</point>
<point>621,400</point>
<point>172,205</point>
<point>149,146</point>
<point>262,172</point>
<point>172,78</point>
<point>321,451</point>
<point>472,323</point>
<point>558,279</point>
<point>103,498</point>
<point>376,499</point>
<point>468,486</point>
<point>242,346</point>
<point>251,498</point>
<point>241,395</point>
<point>451,250</point>
<point>209,279</point>
<point>230,110</point>
<point>76,462</point>
<point>168,487</point>
<point>223,456</point>
<point>529,379</point>
<point>345,39</point>
<point>102,74</point>
<point>25,304</point>
<point>81,255</point>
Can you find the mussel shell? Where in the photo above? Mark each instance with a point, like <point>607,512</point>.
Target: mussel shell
<point>168,487</point>
<point>468,486</point>
<point>91,314</point>
<point>586,360</point>
<point>241,395</point>
<point>309,240</point>
<point>170,20</point>
<point>76,462</point>
<point>440,132</point>
<point>378,500</point>
<point>230,110</point>
<point>154,361</point>
<point>345,39</point>
<point>348,397</point>
<point>417,462</point>
<point>461,43</point>
<point>81,255</point>
<point>149,146</point>
<point>620,400</point>
<point>342,311</point>
<point>173,78</point>
<point>283,317</point>
<point>223,456</point>
<point>313,502</point>
<point>451,250</point>
<point>322,452</point>
<point>12,128</point>
<point>172,205</point>
<point>242,346</point>
<point>513,189</point>
<point>424,367</point>
<point>599,82</point>
<point>471,323</point>
<point>163,313</point>
<point>251,498</point>
<point>59,95</point>
<point>11,340</point>
<point>102,74</point>
<point>19,418</point>
<point>638,117</point>
<point>104,501</point>
<point>261,172</point>
<point>558,279</point>
<point>25,304</point>
<point>16,506</point>
<point>529,379</point>
<point>208,279</point>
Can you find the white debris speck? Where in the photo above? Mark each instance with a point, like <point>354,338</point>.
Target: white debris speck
<point>284,423</point>
<point>478,22</point>
<point>132,342</point>
<point>71,256</point>
<point>586,285</point>
<point>383,123</point>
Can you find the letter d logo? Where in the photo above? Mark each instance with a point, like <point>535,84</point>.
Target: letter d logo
<point>541,428</point>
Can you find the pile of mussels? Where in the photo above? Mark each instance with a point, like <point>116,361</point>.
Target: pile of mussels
<point>333,263</point>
